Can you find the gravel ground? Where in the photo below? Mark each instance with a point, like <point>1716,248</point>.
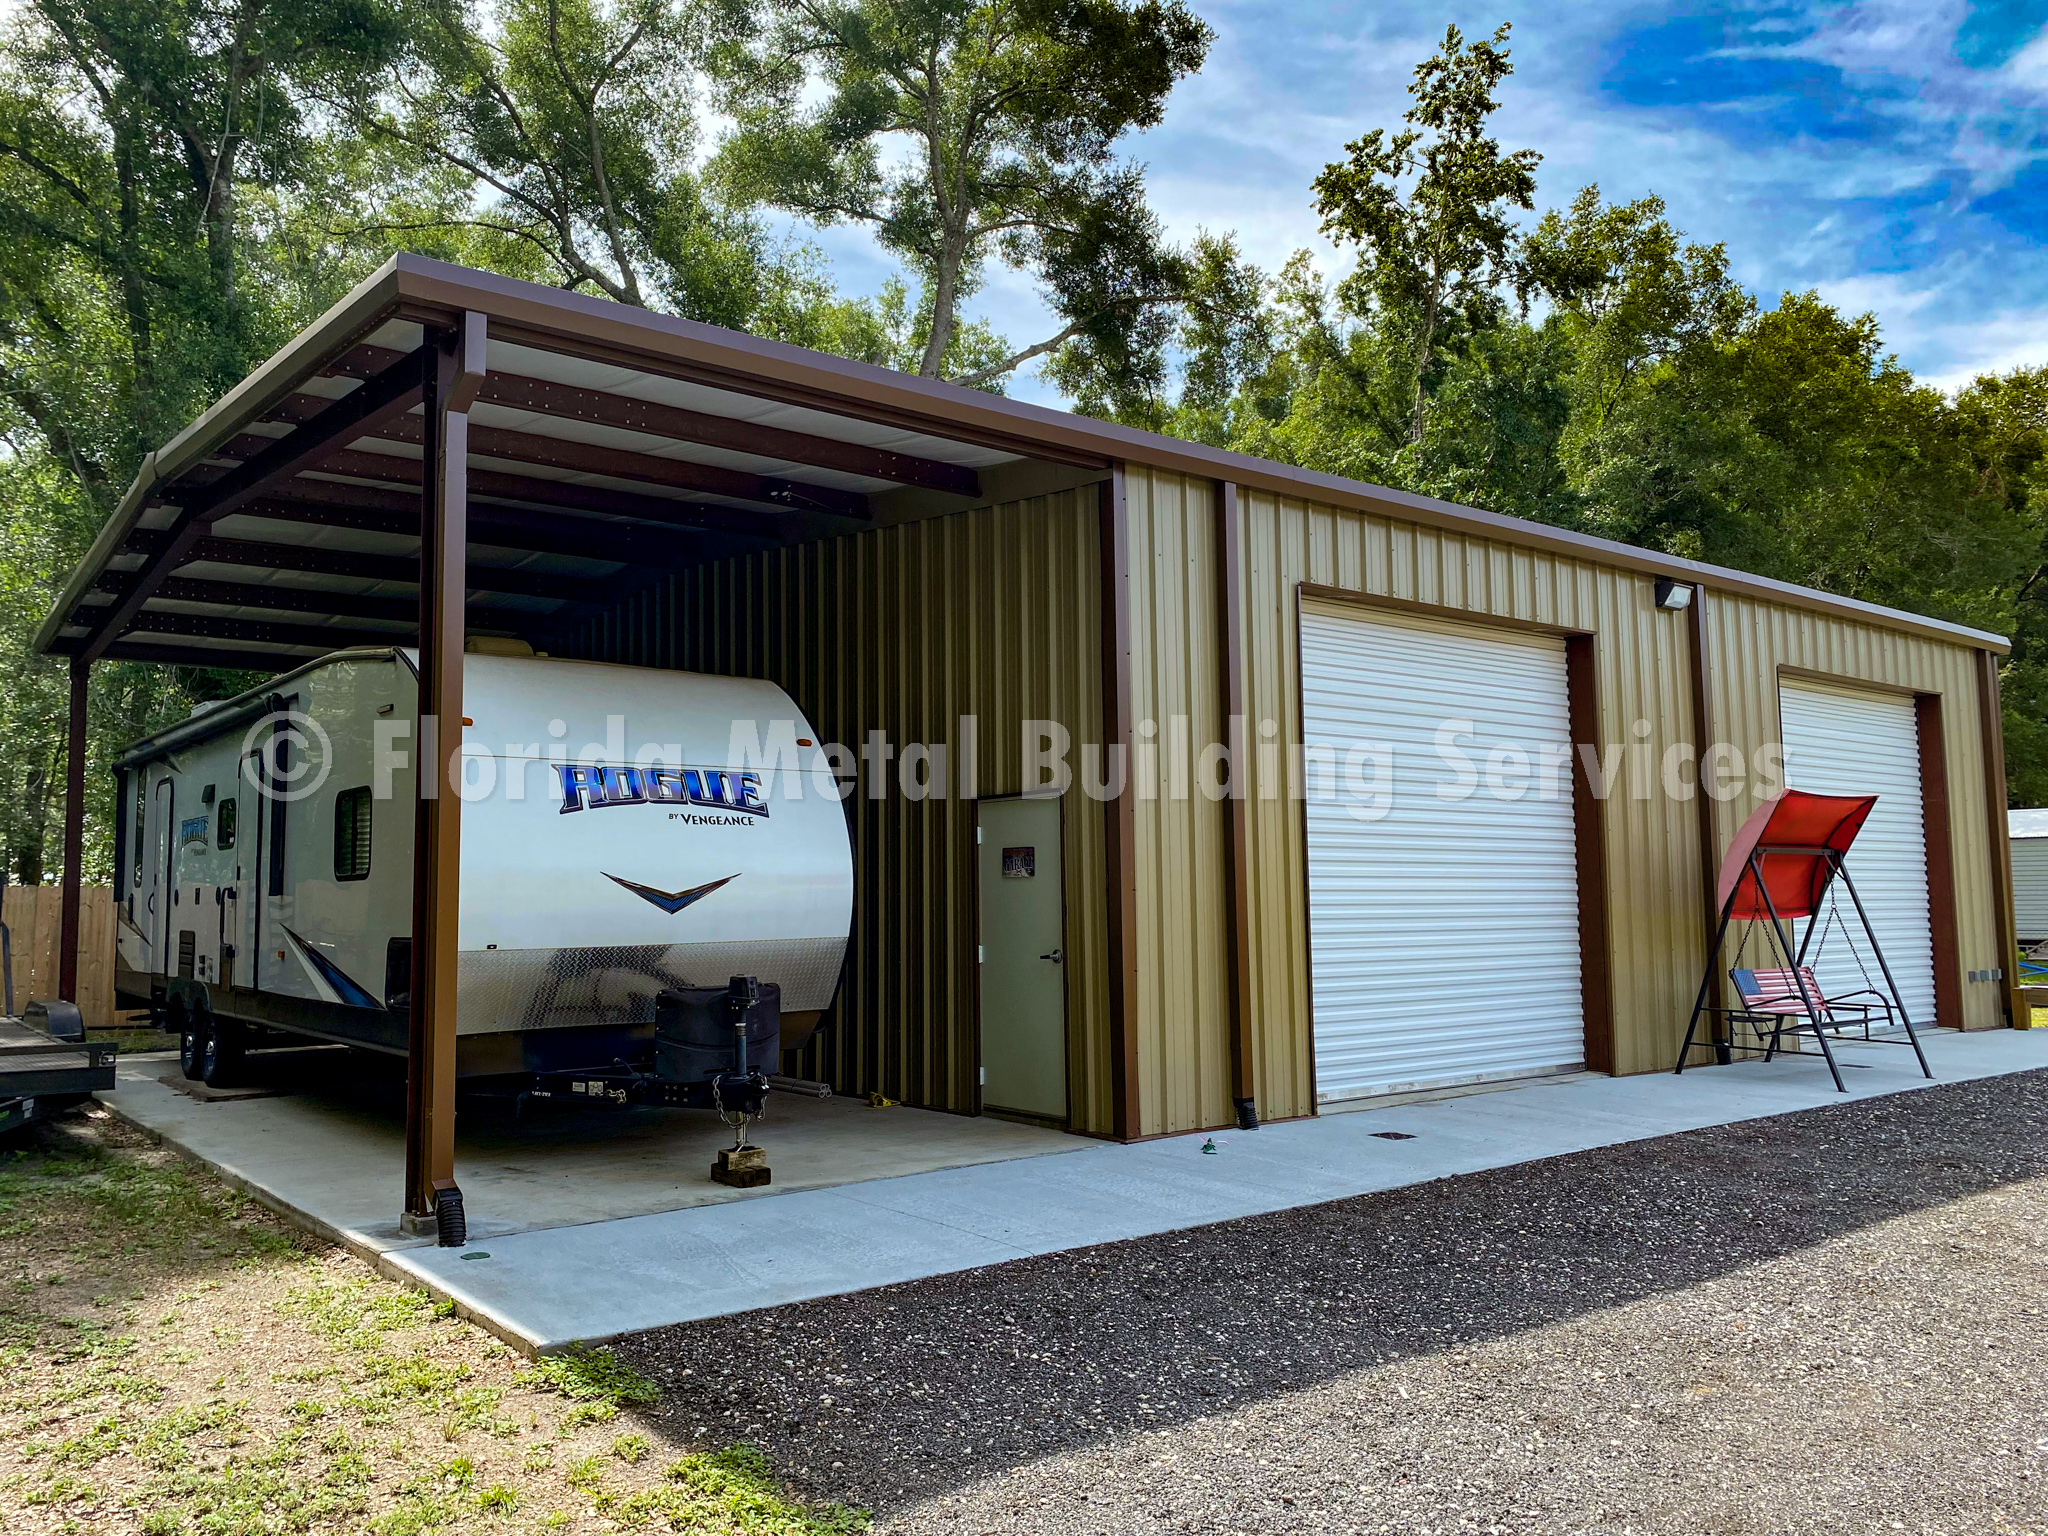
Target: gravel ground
<point>1828,1321</point>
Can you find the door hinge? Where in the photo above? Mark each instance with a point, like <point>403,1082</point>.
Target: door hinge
<point>980,953</point>
<point>983,1077</point>
<point>977,837</point>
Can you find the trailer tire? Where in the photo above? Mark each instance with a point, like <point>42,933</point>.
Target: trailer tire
<point>220,1062</point>
<point>191,1041</point>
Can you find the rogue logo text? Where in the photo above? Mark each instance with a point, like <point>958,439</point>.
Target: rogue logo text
<point>587,786</point>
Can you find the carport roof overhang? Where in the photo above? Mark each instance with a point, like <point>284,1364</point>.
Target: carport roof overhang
<point>608,446</point>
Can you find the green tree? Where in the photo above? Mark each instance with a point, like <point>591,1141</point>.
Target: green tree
<point>1008,112</point>
<point>140,145</point>
<point>2003,424</point>
<point>1430,209</point>
<point>555,139</point>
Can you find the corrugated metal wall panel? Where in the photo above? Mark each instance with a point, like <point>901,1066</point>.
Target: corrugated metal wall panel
<point>992,613</point>
<point>2030,886</point>
<point>1176,685</point>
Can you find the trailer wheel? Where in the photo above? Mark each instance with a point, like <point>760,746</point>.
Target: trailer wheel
<point>220,1052</point>
<point>191,1042</point>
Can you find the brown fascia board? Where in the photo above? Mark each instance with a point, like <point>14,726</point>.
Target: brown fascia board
<point>436,293</point>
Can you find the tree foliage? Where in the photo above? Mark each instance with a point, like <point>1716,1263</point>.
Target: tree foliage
<point>1003,116</point>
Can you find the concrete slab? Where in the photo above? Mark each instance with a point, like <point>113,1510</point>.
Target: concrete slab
<point>544,1289</point>
<point>323,1143</point>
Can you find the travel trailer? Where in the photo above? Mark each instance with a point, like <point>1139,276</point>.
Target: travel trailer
<point>612,852</point>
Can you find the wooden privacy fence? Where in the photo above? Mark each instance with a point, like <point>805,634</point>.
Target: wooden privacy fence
<point>32,914</point>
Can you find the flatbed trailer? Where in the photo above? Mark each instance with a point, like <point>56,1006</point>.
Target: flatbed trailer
<point>41,1077</point>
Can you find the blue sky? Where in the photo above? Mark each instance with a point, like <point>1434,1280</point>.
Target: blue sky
<point>1893,155</point>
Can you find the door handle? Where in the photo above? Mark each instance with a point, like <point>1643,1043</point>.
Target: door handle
<point>1056,957</point>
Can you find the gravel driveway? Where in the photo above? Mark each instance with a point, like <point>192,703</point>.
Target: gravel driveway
<point>1828,1321</point>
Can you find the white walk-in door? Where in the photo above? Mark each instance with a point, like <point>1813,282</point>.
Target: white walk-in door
<point>1443,872</point>
<point>1842,743</point>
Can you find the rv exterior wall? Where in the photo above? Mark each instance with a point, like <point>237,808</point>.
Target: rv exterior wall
<point>991,613</point>
<point>570,915</point>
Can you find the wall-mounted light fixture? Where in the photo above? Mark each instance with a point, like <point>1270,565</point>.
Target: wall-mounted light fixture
<point>1673,594</point>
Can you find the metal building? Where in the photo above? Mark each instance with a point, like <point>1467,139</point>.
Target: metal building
<point>455,453</point>
<point>2029,833</point>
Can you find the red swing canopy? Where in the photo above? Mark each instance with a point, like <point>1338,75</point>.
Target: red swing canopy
<point>1795,882</point>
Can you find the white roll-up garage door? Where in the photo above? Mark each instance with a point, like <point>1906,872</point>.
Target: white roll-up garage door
<point>1843,743</point>
<point>1444,935</point>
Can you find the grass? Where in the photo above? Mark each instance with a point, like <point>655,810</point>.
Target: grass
<point>176,1362</point>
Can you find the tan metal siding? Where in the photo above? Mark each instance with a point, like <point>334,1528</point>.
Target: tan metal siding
<point>1642,663</point>
<point>1183,895</point>
<point>992,613</point>
<point>1749,641</point>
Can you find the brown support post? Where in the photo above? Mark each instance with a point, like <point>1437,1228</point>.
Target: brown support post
<point>1941,861</point>
<point>1120,812</point>
<point>1237,844</point>
<point>431,1196</point>
<point>1992,724</point>
<point>1590,835</point>
<point>74,834</point>
<point>1703,823</point>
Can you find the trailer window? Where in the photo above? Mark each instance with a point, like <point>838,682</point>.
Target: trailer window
<point>224,824</point>
<point>352,834</point>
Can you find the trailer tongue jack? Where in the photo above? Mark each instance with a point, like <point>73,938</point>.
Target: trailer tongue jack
<point>741,1096</point>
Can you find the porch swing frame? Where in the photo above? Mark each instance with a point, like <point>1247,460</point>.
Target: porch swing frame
<point>1816,1019</point>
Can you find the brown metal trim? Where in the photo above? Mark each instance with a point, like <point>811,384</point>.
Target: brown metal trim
<point>282,599</point>
<point>1708,835</point>
<point>269,663</point>
<point>1351,597</point>
<point>1846,680</point>
<point>1237,841</point>
<point>68,924</point>
<point>677,424</point>
<point>437,825</point>
<point>1991,722</point>
<point>1935,814</point>
<point>1296,796</point>
<point>1596,964</point>
<point>624,464</point>
<point>265,632</point>
<point>344,562</point>
<point>1120,813</point>
<point>394,470</point>
<point>518,529</point>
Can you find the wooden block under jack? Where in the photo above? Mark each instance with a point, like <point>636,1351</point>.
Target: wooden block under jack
<point>741,1167</point>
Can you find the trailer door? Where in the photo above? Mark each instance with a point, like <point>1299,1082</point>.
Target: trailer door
<point>157,883</point>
